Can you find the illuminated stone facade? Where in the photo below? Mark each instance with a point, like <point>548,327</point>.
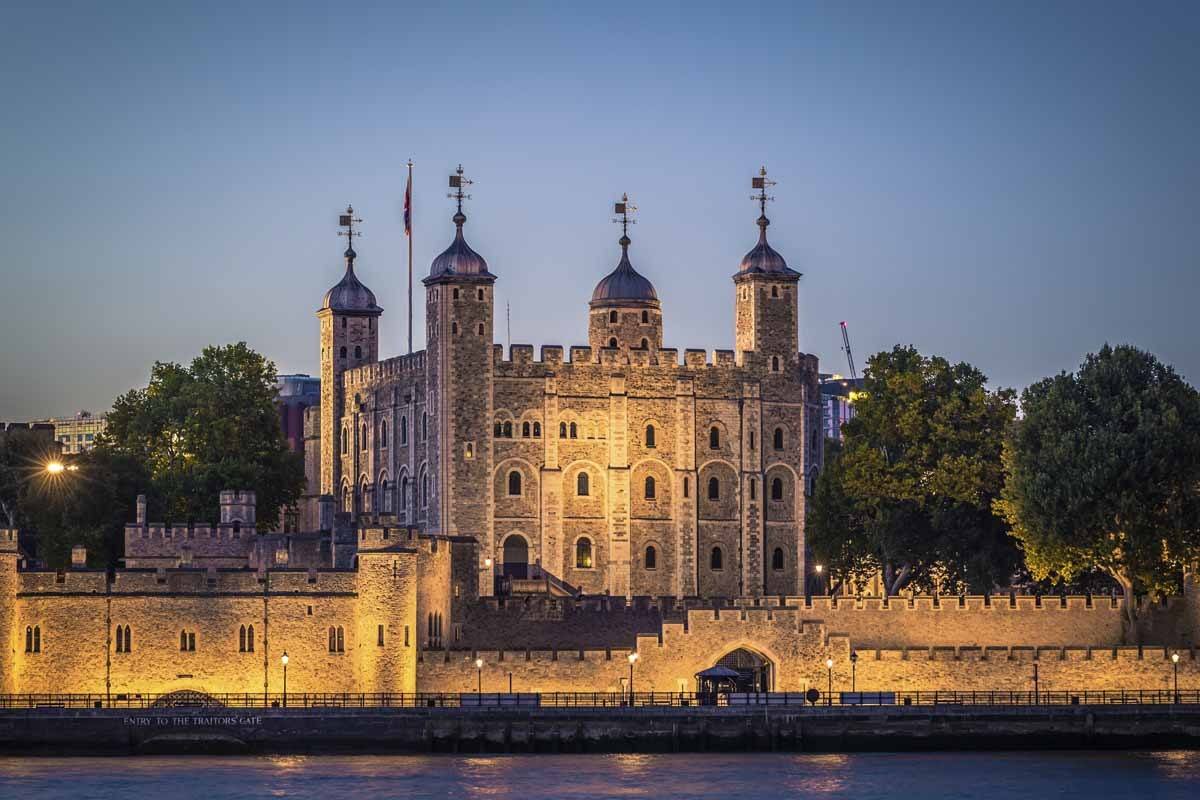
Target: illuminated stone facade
<point>621,468</point>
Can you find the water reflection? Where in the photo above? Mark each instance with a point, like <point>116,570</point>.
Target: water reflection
<point>1165,774</point>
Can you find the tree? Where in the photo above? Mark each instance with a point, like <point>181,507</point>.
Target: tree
<point>910,495</point>
<point>24,455</point>
<point>210,426</point>
<point>1103,472</point>
<point>89,505</point>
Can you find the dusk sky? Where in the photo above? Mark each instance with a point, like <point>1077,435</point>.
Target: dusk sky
<point>1008,184</point>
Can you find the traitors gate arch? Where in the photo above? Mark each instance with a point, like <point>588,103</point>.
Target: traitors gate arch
<point>755,672</point>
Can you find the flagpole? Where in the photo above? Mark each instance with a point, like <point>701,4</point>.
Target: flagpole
<point>410,307</point>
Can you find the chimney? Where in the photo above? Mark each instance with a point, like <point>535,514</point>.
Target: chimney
<point>141,509</point>
<point>78,557</point>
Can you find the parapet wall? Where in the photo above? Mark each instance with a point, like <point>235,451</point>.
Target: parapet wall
<point>521,358</point>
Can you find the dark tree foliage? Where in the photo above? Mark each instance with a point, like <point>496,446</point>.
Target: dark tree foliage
<point>24,455</point>
<point>209,426</point>
<point>1103,473</point>
<point>910,494</point>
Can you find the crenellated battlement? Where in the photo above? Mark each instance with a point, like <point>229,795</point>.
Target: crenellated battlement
<point>397,367</point>
<point>521,359</point>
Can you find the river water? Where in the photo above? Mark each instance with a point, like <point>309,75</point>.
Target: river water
<point>1026,775</point>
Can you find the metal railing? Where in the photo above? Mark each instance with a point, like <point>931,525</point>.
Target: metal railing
<point>603,700</point>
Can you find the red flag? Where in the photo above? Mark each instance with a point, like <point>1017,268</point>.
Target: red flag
<point>408,207</point>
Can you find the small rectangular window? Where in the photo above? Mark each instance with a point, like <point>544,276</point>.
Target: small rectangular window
<point>406,636</point>
<point>380,642</point>
<point>310,611</point>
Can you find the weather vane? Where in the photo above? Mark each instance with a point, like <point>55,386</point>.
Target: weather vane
<point>762,183</point>
<point>457,183</point>
<point>348,221</point>
<point>624,208</point>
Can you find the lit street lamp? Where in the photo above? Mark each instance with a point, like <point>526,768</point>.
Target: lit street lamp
<point>284,659</point>
<point>1175,667</point>
<point>633,657</point>
<point>55,468</point>
<point>479,676</point>
<point>819,569</point>
<point>853,669</point>
<point>829,691</point>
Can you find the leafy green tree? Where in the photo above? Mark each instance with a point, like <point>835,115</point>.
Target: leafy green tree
<point>89,505</point>
<point>209,426</point>
<point>1103,472</point>
<point>24,455</point>
<point>910,495</point>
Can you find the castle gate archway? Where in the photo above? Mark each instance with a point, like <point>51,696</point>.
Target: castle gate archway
<point>516,557</point>
<point>754,670</point>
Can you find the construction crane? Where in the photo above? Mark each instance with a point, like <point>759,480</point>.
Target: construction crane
<point>846,349</point>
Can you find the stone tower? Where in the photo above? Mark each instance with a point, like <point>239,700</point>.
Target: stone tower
<point>349,320</point>
<point>9,635</point>
<point>459,315</point>
<point>625,313</point>
<point>766,306</point>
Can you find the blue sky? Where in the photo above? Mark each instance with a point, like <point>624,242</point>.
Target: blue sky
<point>1012,184</point>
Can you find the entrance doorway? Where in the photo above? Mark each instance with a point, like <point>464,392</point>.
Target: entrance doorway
<point>754,671</point>
<point>516,557</point>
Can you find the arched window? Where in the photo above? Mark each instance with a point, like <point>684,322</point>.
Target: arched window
<point>514,484</point>
<point>562,430</point>
<point>404,494</point>
<point>574,431</point>
<point>537,430</point>
<point>454,328</point>
<point>651,561</point>
<point>612,342</point>
<point>424,425</point>
<point>120,640</point>
<point>507,430</point>
<point>28,638</point>
<point>645,344</point>
<point>714,489</point>
<point>645,317</point>
<point>364,497</point>
<point>498,429</point>
<point>649,487</point>
<point>777,489</point>
<point>717,559</point>
<point>347,499</point>
<point>424,491</point>
<point>187,641</point>
<point>383,442</point>
<point>525,430</point>
<point>358,351</point>
<point>341,641</point>
<point>249,638</point>
<point>242,639</point>
<point>774,291</point>
<point>342,352</point>
<point>583,553</point>
<point>37,638</point>
<point>714,438</point>
<point>128,640</point>
<point>385,496</point>
<point>777,559</point>
<point>612,316</point>
<point>649,436</point>
<point>332,639</point>
<point>774,363</point>
<point>753,489</point>
<point>345,441</point>
<point>581,485</point>
<point>480,329</point>
<point>404,430</point>
<point>751,440</point>
<point>777,440</point>
<point>363,444</point>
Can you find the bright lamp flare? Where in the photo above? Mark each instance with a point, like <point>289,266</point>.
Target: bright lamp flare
<point>55,467</point>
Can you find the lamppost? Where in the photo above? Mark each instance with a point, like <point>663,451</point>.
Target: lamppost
<point>284,660</point>
<point>479,676</point>
<point>853,669</point>
<point>633,657</point>
<point>1035,683</point>
<point>829,691</point>
<point>1175,667</point>
<point>819,569</point>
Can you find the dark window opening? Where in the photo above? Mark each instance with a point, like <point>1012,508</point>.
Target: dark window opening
<point>717,559</point>
<point>651,558</point>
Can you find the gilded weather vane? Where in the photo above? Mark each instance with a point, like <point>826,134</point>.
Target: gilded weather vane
<point>623,208</point>
<point>458,183</point>
<point>348,221</point>
<point>762,183</point>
